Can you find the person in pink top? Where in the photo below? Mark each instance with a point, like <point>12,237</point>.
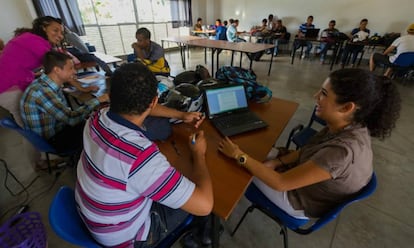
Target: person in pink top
<point>22,55</point>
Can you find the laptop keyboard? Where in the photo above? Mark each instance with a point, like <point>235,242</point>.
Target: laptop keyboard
<point>231,121</point>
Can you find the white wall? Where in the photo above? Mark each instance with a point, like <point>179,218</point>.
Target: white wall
<point>15,14</point>
<point>383,16</point>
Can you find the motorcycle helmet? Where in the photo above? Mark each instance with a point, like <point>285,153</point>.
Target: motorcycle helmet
<point>184,97</point>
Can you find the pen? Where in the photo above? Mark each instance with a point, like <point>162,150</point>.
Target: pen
<point>193,139</point>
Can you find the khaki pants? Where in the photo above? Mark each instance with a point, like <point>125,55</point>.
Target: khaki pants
<point>10,100</point>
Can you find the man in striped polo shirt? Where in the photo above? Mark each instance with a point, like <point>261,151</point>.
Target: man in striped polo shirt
<point>127,192</point>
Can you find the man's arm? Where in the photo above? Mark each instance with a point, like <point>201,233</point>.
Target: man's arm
<point>201,201</point>
<point>195,118</point>
<point>389,49</point>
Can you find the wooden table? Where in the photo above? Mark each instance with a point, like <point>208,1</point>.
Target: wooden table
<point>229,180</point>
<point>181,41</point>
<point>243,47</point>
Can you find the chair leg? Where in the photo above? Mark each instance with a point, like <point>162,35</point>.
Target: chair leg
<point>249,209</point>
<point>284,232</point>
<point>49,167</point>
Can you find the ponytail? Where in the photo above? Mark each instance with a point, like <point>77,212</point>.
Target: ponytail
<point>386,111</point>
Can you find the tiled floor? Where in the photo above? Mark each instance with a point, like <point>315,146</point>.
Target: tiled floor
<point>384,220</point>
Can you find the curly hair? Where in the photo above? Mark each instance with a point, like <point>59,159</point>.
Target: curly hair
<point>133,87</point>
<point>39,25</point>
<point>377,98</point>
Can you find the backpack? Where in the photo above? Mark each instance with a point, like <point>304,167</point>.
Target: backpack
<point>254,90</point>
<point>192,77</point>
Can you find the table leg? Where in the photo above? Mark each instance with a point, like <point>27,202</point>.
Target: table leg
<point>215,231</point>
<point>182,53</point>
<point>217,61</point>
<point>212,60</point>
<point>241,56</point>
<point>232,56</point>
<point>293,54</point>
<point>270,65</point>
<point>205,55</point>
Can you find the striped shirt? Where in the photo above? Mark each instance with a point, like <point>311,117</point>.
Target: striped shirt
<point>45,111</point>
<point>119,175</point>
<point>304,27</point>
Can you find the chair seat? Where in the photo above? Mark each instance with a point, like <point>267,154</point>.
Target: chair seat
<point>302,137</point>
<point>254,195</point>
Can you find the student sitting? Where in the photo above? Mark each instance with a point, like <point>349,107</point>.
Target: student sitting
<point>402,44</point>
<point>128,193</point>
<point>44,108</point>
<point>150,53</point>
<point>338,161</point>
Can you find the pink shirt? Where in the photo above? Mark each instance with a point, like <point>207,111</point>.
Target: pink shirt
<point>20,57</point>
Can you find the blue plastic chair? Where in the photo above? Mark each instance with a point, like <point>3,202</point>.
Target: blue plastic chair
<point>403,64</point>
<point>300,135</point>
<point>285,221</point>
<point>37,141</point>
<point>67,224</point>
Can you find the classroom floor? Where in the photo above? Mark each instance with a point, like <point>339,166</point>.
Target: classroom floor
<point>384,220</point>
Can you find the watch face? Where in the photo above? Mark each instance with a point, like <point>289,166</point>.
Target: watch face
<point>242,160</point>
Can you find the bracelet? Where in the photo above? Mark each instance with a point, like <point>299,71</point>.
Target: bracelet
<point>281,162</point>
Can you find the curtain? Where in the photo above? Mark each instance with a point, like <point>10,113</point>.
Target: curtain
<point>181,13</point>
<point>67,10</point>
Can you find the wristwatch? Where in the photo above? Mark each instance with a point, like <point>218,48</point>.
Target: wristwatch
<point>242,159</point>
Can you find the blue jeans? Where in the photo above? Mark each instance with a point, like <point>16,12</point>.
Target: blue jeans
<point>164,220</point>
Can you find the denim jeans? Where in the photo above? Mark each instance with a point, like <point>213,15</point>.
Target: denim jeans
<point>164,220</point>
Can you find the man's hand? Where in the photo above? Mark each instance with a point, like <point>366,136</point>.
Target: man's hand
<point>194,118</point>
<point>197,143</point>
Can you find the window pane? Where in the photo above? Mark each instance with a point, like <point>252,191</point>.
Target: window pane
<point>128,36</point>
<point>87,12</point>
<point>144,11</point>
<point>112,40</point>
<point>114,12</point>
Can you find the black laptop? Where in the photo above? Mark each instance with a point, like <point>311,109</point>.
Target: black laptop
<point>312,33</point>
<point>228,110</point>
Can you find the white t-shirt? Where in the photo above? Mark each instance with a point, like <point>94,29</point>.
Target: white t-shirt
<point>403,44</point>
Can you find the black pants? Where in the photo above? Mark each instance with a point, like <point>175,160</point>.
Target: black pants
<point>70,138</point>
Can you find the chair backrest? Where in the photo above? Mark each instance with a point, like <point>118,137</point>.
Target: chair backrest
<point>36,140</point>
<point>405,59</point>
<point>362,194</point>
<point>67,224</point>
<point>65,220</point>
<point>315,118</point>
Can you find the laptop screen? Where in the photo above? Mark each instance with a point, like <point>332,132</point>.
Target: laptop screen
<point>225,99</point>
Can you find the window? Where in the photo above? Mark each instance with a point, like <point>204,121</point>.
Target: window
<point>110,25</point>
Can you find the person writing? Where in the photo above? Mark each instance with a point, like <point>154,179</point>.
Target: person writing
<point>128,193</point>
<point>44,108</point>
<point>337,162</point>
<point>150,53</point>
<point>402,44</point>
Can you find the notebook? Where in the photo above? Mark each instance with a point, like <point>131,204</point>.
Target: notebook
<point>312,33</point>
<point>228,110</point>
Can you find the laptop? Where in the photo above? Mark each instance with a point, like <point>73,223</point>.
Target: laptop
<point>312,33</point>
<point>228,110</point>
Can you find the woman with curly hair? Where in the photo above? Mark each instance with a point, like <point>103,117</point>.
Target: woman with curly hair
<point>337,162</point>
<point>22,55</point>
